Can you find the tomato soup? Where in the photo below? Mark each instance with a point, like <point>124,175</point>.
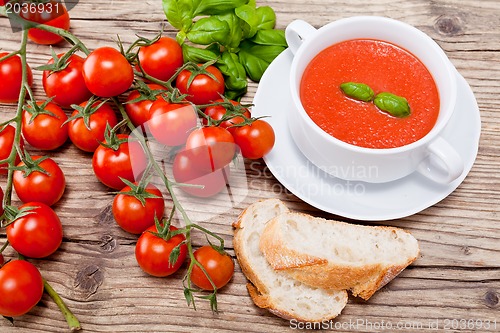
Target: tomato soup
<point>385,68</point>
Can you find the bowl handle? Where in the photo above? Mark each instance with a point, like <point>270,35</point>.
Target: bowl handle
<point>450,168</point>
<point>296,32</point>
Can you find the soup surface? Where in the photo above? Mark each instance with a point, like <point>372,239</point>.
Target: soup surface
<point>385,68</point>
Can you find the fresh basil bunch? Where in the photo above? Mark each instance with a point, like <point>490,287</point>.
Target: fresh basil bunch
<point>236,33</point>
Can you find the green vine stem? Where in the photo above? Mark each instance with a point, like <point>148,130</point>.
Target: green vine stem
<point>73,323</point>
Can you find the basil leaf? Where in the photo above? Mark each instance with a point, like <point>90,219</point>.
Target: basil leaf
<point>250,19</point>
<point>270,37</point>
<point>235,94</point>
<point>198,55</point>
<point>395,105</point>
<point>256,58</point>
<point>233,70</point>
<point>235,31</point>
<point>209,30</point>
<point>214,7</point>
<point>179,13</point>
<point>359,91</point>
<point>266,17</point>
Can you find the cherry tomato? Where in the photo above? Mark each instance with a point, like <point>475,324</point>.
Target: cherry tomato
<point>138,112</point>
<point>220,268</point>
<point>1,212</point>
<point>171,123</point>
<point>46,187</point>
<point>134,217</point>
<point>7,135</point>
<point>152,252</point>
<point>128,161</point>
<point>12,78</point>
<point>21,288</point>
<point>45,131</point>
<point>66,86</point>
<point>38,234</point>
<point>88,139</point>
<point>203,89</point>
<point>218,143</point>
<point>217,112</point>
<point>187,170</point>
<point>2,260</point>
<point>51,13</point>
<point>107,73</point>
<point>255,140</point>
<point>161,59</point>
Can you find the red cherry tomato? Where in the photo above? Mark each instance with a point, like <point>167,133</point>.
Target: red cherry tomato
<point>7,135</point>
<point>21,288</point>
<point>107,73</point>
<point>88,139</point>
<point>51,13</point>
<point>128,161</point>
<point>203,89</point>
<point>134,217</point>
<point>2,260</point>
<point>217,112</point>
<point>161,59</point>
<point>218,143</point>
<point>152,252</point>
<point>1,212</point>
<point>66,86</point>
<point>12,78</point>
<point>45,131</point>
<point>190,168</point>
<point>138,112</point>
<point>46,187</point>
<point>255,140</point>
<point>38,234</point>
<point>171,123</point>
<point>220,268</point>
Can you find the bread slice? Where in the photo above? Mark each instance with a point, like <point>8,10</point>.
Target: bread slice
<point>337,255</point>
<point>273,290</point>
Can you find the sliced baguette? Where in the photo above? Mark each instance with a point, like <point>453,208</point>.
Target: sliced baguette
<point>273,290</point>
<point>337,255</point>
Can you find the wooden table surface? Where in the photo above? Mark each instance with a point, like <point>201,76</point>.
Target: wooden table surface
<point>456,278</point>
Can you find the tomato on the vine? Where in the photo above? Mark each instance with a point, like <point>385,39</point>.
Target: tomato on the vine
<point>67,85</point>
<point>170,123</point>
<point>124,159</point>
<point>255,140</point>
<point>11,77</point>
<point>190,167</point>
<point>37,234</point>
<point>138,112</point>
<point>107,73</point>
<point>135,216</point>
<point>51,13</point>
<point>39,181</point>
<point>87,139</point>
<point>214,146</point>
<point>21,288</point>
<point>220,268</point>
<point>161,59</point>
<point>7,136</point>
<point>153,253</point>
<point>46,130</point>
<point>218,112</point>
<point>203,89</point>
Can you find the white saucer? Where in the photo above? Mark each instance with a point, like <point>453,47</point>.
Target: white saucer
<point>357,200</point>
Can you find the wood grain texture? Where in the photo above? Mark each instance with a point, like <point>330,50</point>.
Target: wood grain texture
<point>457,276</point>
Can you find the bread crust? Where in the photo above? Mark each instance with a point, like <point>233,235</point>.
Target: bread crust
<point>258,291</point>
<point>362,281</point>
